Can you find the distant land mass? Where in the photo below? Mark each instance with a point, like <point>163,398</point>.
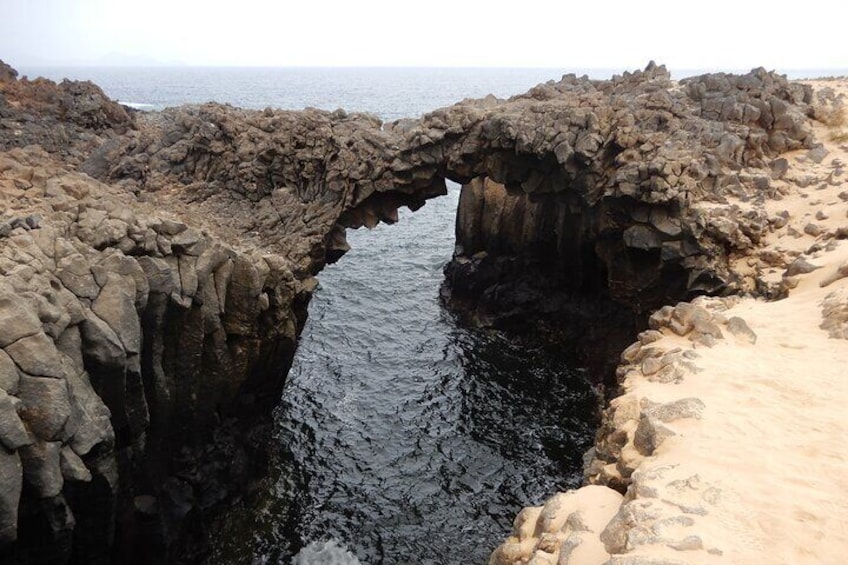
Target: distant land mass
<point>111,59</point>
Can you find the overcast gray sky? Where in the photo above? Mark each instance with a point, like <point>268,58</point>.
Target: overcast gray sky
<point>612,34</point>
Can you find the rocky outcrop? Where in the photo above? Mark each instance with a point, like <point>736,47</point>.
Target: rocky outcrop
<point>620,187</point>
<point>633,173</point>
<point>135,352</point>
<point>68,119</point>
<point>629,201</point>
<point>633,428</point>
<point>565,530</point>
<point>153,313</point>
<point>687,441</point>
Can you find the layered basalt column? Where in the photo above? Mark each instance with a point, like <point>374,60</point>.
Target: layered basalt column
<point>603,201</point>
<point>529,262</point>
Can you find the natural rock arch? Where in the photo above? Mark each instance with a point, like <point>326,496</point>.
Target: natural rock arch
<point>622,161</point>
<point>619,185</point>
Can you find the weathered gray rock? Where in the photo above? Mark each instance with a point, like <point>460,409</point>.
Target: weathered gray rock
<point>685,317</point>
<point>69,344</point>
<point>705,328</point>
<point>9,375</point>
<point>642,237</point>
<point>42,468</point>
<point>37,355</point>
<point>91,416</point>
<point>800,266</point>
<point>779,168</point>
<point>46,406</point>
<point>739,328</point>
<point>17,320</point>
<point>683,408</point>
<point>11,479</point>
<point>128,268</point>
<point>75,274</point>
<point>13,434</point>
<point>661,318</point>
<point>649,336</point>
<point>245,285</point>
<point>835,316</point>
<point>73,468</point>
<point>817,154</point>
<point>813,229</point>
<point>627,523</point>
<point>187,242</point>
<point>170,227</point>
<point>101,343</point>
<point>650,433</point>
<point>160,276</point>
<point>115,305</point>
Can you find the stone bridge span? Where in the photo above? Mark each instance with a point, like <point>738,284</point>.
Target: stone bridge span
<point>605,181</point>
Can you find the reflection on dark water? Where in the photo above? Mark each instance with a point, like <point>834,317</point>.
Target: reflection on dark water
<point>405,438</point>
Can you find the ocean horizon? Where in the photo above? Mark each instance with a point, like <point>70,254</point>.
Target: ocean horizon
<point>415,90</point>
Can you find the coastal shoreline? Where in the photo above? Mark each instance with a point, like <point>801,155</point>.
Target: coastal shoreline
<point>166,260</point>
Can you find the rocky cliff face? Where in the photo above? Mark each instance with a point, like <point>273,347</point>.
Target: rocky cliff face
<point>142,355</point>
<point>629,202</point>
<point>137,351</point>
<point>150,316</point>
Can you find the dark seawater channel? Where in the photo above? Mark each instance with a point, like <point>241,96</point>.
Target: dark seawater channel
<point>404,437</point>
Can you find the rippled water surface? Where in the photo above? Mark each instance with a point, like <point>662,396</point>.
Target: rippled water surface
<point>413,440</point>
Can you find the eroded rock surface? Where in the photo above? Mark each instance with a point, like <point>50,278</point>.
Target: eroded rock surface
<point>127,339</point>
<point>619,187</point>
<point>149,316</point>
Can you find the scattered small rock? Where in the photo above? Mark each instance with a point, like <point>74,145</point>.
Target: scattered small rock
<point>818,154</point>
<point>800,266</point>
<point>739,328</point>
<point>779,167</point>
<point>813,229</point>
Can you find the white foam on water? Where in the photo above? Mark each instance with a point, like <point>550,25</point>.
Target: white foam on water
<point>328,552</point>
<point>137,105</point>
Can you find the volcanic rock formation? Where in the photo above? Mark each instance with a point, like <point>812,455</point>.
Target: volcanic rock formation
<point>156,267</point>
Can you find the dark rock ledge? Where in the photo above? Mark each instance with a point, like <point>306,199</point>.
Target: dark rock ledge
<point>149,315</point>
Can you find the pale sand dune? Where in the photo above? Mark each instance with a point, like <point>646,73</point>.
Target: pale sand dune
<point>758,475</point>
